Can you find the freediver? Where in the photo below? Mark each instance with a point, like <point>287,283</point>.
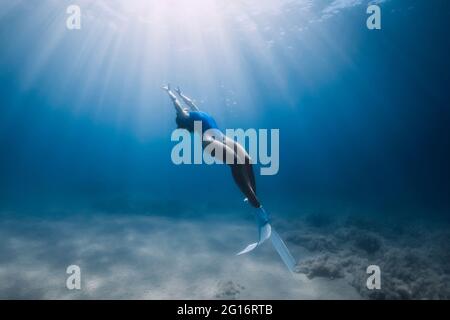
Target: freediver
<point>241,167</point>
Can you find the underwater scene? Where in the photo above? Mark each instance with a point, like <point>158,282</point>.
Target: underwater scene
<point>108,190</point>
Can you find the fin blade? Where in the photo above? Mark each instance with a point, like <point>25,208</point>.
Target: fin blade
<point>264,233</point>
<point>283,251</point>
<point>249,248</point>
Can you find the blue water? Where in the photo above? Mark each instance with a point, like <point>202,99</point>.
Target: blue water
<point>363,114</point>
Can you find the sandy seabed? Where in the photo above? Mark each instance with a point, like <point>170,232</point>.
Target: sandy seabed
<point>158,257</point>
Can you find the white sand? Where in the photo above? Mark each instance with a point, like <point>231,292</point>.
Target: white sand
<point>139,257</point>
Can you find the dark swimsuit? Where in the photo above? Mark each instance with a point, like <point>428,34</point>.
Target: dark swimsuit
<point>188,122</point>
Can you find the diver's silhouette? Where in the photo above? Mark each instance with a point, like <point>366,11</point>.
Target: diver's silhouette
<point>241,167</point>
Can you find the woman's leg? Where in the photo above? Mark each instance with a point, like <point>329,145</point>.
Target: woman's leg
<point>244,160</point>
<point>241,176</point>
<point>242,173</point>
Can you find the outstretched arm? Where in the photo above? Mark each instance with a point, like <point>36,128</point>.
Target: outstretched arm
<point>187,100</point>
<point>175,102</point>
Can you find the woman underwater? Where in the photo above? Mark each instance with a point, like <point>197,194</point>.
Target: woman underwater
<point>241,167</point>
